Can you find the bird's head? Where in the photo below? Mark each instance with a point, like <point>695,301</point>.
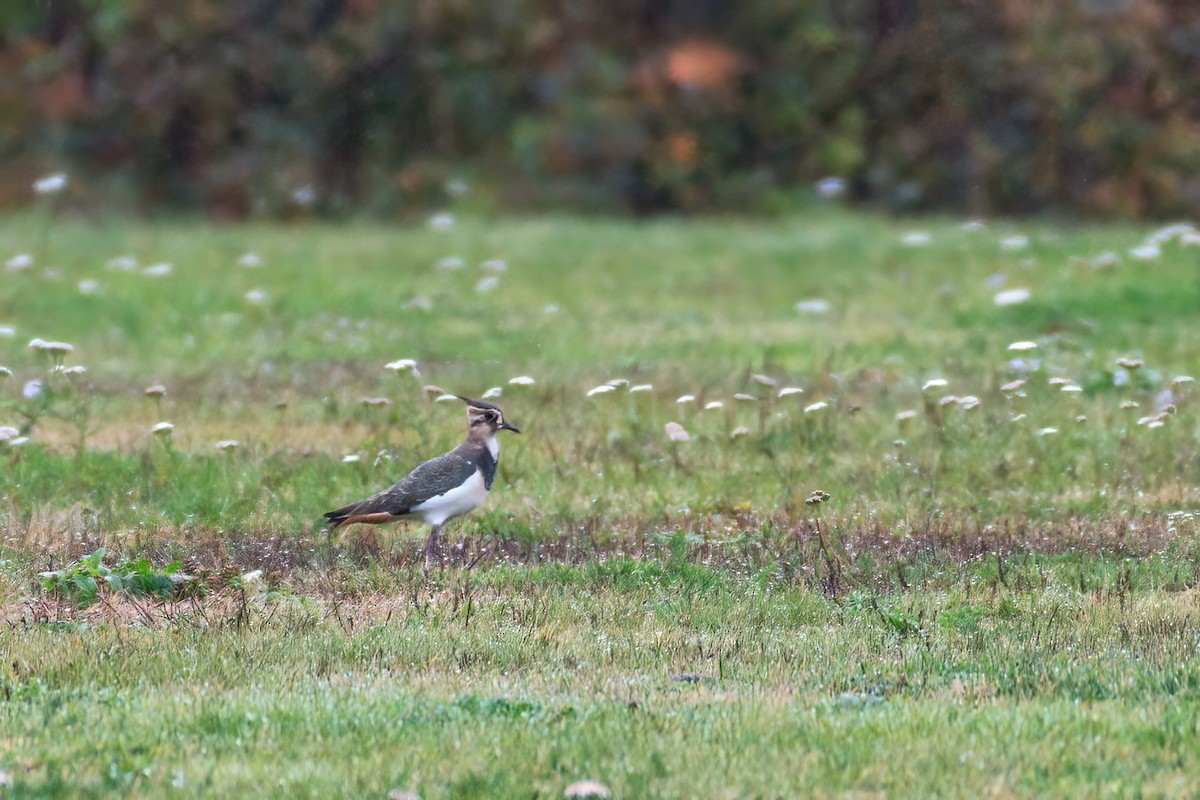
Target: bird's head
<point>484,418</point>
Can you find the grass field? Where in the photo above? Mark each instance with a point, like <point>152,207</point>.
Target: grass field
<point>999,598</point>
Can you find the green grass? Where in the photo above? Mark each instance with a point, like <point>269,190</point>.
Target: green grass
<point>982,608</point>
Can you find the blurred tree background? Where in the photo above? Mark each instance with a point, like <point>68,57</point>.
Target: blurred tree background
<point>266,107</point>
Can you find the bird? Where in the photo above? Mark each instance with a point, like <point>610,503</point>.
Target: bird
<point>441,488</point>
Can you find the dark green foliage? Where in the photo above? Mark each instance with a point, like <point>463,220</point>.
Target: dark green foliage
<point>992,106</point>
<point>88,579</point>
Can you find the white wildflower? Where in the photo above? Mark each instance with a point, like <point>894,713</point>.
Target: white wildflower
<point>404,365</point>
<point>686,398</point>
<point>934,383</point>
<point>905,416</point>
<point>88,286</point>
<point>250,260</point>
<point>227,444</point>
<point>916,239</point>
<point>158,270</point>
<point>813,306</point>
<point>1106,260</point>
<point>450,263</point>
<point>7,331</point>
<point>1146,252</point>
<point>641,387</point>
<point>831,187</point>
<point>351,459</point>
<point>493,393</point>
<point>495,265</point>
<point>51,184</point>
<point>676,432</point>
<point>972,225</point>
<point>445,398</point>
<point>162,428</point>
<point>817,406</point>
<point>745,398</point>
<point>442,222</point>
<point>487,284</point>
<point>740,430</point>
<point>1022,347</point>
<point>1047,431</point>
<point>1012,297</point>
<point>1014,243</point>
<point>123,263</point>
<point>19,262</point>
<point>256,296</point>
<point>788,391</point>
<point>714,405</point>
<point>521,380</point>
<point>603,388</point>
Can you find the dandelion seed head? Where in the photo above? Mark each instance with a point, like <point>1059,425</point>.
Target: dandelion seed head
<point>676,432</point>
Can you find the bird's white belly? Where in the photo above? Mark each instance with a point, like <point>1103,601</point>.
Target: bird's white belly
<point>458,500</point>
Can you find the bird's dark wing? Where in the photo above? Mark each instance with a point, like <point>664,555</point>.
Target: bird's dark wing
<point>436,476</point>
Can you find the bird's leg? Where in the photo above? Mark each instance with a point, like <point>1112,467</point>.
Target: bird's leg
<point>433,546</point>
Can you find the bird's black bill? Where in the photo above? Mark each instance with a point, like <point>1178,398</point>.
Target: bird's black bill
<point>504,426</point>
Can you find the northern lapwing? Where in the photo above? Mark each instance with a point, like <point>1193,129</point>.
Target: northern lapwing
<point>442,488</point>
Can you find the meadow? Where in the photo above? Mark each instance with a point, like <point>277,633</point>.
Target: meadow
<point>997,598</point>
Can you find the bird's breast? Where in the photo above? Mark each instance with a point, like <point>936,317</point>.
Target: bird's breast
<point>459,500</point>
